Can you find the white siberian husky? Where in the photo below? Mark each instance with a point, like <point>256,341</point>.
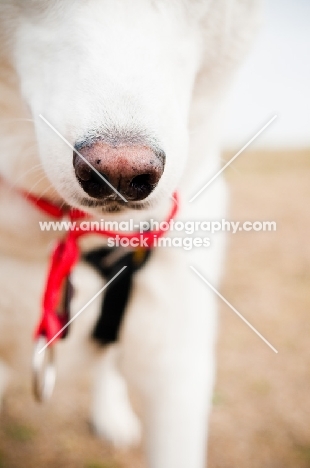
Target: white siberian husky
<point>136,87</point>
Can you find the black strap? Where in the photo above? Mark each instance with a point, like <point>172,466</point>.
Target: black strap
<point>108,262</point>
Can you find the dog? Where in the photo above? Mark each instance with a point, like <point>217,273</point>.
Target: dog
<point>132,92</point>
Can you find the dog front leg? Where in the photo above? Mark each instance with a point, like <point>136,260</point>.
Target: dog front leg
<point>167,359</point>
<point>176,422</point>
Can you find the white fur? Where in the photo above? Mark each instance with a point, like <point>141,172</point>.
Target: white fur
<point>159,67</point>
<point>112,413</point>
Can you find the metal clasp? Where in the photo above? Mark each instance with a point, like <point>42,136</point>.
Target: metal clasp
<point>43,370</point>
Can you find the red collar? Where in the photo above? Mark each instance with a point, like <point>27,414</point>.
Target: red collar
<point>66,255</point>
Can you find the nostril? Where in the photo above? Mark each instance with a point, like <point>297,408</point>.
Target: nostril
<point>98,178</point>
<point>141,186</point>
<point>82,170</point>
<point>141,182</point>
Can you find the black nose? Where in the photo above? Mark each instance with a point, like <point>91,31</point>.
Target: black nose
<point>132,171</point>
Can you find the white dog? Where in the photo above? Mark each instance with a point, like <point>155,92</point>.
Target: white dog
<point>136,88</point>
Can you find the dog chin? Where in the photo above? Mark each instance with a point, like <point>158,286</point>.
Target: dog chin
<point>111,206</point>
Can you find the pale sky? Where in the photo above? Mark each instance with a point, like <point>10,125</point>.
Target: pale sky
<point>275,79</point>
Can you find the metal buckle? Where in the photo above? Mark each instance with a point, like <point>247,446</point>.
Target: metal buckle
<point>43,370</point>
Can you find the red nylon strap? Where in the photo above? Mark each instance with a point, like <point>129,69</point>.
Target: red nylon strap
<point>53,210</point>
<point>66,255</point>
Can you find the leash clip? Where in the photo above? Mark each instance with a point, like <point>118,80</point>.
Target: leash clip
<point>43,370</point>
<point>43,359</point>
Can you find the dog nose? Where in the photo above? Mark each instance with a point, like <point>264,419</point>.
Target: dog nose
<point>133,171</point>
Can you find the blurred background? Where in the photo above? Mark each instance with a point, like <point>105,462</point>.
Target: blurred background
<point>261,403</point>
